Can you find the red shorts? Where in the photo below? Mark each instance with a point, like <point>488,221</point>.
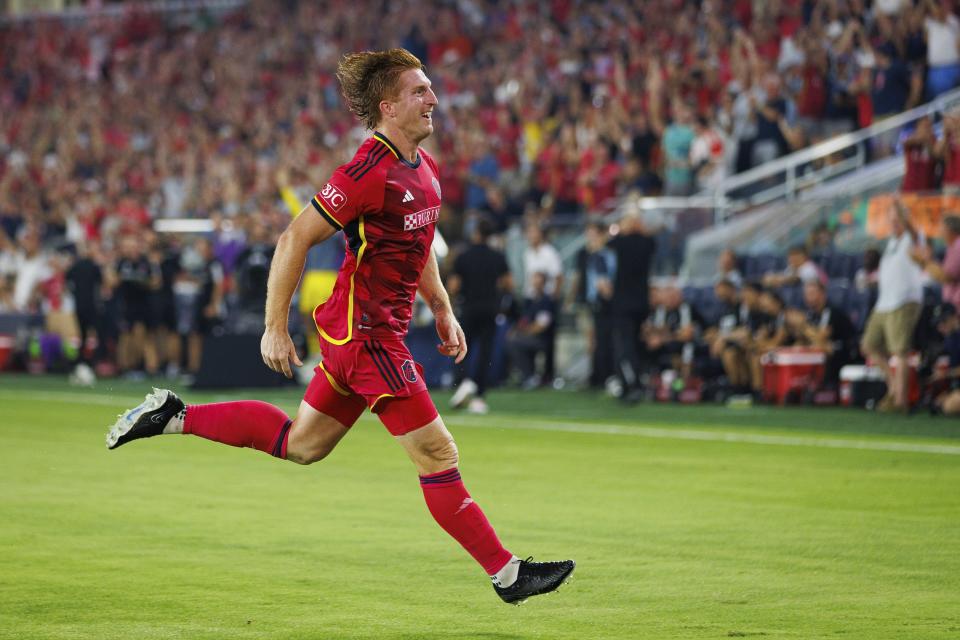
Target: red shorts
<point>374,374</point>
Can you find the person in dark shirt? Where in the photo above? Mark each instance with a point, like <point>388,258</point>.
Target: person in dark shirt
<point>480,277</point>
<point>167,255</point>
<point>85,280</point>
<point>945,319</point>
<point>593,288</point>
<point>732,338</point>
<point>770,334</point>
<point>892,88</point>
<point>252,269</point>
<point>136,277</point>
<point>670,334</point>
<point>824,327</point>
<point>529,336</point>
<point>634,250</point>
<point>208,275</point>
<point>889,83</point>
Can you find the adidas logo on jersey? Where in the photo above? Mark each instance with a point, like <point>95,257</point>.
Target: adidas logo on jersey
<point>408,197</point>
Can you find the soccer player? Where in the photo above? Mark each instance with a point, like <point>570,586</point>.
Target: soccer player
<point>386,201</point>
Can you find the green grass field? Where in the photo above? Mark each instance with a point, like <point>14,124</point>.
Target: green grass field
<point>686,522</point>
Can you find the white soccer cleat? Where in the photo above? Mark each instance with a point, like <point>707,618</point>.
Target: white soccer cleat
<point>147,419</point>
<point>478,407</point>
<point>466,390</point>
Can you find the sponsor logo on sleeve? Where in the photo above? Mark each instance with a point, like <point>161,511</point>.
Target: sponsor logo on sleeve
<point>422,218</point>
<point>333,197</point>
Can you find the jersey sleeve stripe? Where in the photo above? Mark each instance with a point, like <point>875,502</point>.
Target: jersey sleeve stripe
<point>326,214</point>
<point>353,168</point>
<point>373,163</point>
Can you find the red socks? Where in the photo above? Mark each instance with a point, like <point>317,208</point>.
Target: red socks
<point>247,423</point>
<point>461,517</point>
<point>255,424</point>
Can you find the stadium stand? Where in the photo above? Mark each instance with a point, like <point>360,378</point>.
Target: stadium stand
<point>118,121</point>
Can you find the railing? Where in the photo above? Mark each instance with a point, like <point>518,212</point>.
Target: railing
<point>783,178</point>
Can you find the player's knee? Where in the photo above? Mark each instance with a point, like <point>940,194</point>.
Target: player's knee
<point>442,453</point>
<point>309,454</point>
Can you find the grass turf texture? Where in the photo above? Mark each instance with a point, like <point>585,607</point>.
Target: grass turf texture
<point>176,537</point>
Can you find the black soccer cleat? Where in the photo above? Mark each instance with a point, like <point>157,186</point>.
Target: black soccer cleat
<point>534,579</point>
<point>147,419</point>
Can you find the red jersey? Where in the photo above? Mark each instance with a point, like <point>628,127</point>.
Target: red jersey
<point>387,208</point>
<point>951,168</point>
<point>920,174</point>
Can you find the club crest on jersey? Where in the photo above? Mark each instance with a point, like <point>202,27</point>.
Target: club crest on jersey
<point>422,218</point>
<point>333,196</point>
<point>436,186</point>
<point>409,371</point>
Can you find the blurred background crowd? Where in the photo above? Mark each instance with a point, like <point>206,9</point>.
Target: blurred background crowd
<point>548,111</point>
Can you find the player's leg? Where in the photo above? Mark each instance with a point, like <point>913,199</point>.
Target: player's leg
<point>485,330</point>
<point>322,420</point>
<point>418,428</point>
<point>873,345</point>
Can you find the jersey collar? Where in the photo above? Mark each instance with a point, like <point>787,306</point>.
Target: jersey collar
<point>396,152</point>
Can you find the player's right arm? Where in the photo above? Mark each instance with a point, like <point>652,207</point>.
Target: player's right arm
<point>305,231</point>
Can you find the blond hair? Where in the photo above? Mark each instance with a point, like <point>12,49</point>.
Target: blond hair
<point>368,77</point>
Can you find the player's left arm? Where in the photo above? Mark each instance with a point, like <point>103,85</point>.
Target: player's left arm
<point>430,288</point>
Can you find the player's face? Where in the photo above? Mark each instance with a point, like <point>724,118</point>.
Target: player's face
<point>414,104</point>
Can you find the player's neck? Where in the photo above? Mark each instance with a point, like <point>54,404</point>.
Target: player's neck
<point>404,144</point>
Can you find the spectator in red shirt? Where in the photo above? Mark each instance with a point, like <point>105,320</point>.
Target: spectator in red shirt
<point>948,149</point>
<point>919,154</point>
<point>598,179</point>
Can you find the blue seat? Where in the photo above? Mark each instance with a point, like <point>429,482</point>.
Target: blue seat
<point>792,297</point>
<point>838,294</point>
<point>768,262</point>
<point>691,295</point>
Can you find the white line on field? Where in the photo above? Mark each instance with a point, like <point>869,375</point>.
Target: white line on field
<point>521,422</point>
<point>716,436</point>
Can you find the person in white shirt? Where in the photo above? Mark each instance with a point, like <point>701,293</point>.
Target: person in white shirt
<point>541,257</point>
<point>889,330</point>
<point>943,55</point>
<point>31,266</point>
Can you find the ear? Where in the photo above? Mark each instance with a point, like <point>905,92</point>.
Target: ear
<point>388,109</point>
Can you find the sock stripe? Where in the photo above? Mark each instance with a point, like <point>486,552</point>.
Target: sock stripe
<point>444,477</point>
<point>281,437</point>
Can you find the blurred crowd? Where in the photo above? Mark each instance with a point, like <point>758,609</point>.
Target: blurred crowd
<point>143,304</point>
<point>108,125</point>
<point>893,308</point>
